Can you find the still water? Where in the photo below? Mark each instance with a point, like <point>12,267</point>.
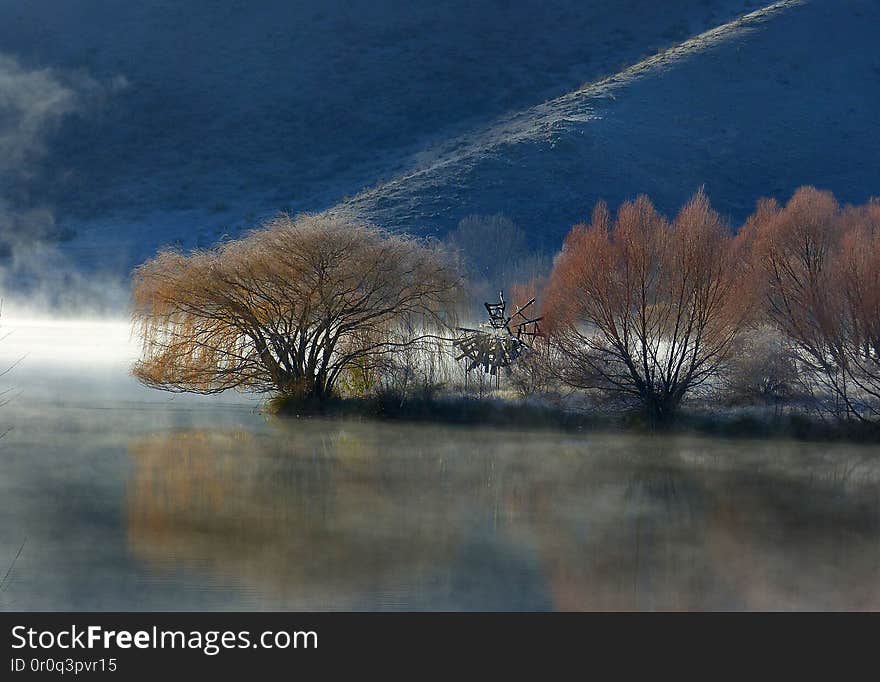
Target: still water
<point>120,498</point>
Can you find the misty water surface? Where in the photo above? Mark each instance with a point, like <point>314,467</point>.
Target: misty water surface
<point>127,498</point>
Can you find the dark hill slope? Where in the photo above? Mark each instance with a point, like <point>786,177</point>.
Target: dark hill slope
<point>787,96</point>
<point>300,100</point>
<point>234,107</point>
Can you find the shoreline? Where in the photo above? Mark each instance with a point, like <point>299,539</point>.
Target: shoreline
<point>758,421</point>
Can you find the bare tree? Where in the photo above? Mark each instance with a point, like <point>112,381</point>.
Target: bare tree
<point>288,308</point>
<point>644,309</point>
<point>857,273</point>
<point>490,245</point>
<point>495,255</point>
<point>817,268</point>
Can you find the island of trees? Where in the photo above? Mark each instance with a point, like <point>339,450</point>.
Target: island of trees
<point>642,314</point>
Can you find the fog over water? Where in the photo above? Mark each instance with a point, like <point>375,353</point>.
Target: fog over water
<point>121,497</point>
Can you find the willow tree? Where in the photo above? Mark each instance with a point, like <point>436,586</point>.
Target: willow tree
<point>288,308</point>
<point>817,271</point>
<point>644,309</point>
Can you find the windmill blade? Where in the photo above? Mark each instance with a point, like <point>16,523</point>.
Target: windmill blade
<point>519,309</point>
<point>495,344</point>
<point>533,320</point>
<point>522,329</point>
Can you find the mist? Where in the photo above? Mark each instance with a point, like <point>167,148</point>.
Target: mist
<point>34,273</point>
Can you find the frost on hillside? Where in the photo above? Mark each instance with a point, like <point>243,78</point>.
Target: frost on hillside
<point>234,111</point>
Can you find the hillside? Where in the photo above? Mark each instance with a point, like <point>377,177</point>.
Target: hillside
<point>213,113</point>
<point>198,118</point>
<point>785,96</point>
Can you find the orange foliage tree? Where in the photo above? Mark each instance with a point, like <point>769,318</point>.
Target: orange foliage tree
<point>288,308</point>
<point>646,309</point>
<point>817,268</point>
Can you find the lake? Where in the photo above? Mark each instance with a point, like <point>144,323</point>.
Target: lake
<point>116,497</point>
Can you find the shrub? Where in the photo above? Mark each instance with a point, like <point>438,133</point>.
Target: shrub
<point>761,369</point>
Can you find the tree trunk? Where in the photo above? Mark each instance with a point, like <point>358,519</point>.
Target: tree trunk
<point>660,409</point>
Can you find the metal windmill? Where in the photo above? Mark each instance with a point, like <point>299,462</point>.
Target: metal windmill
<point>500,341</point>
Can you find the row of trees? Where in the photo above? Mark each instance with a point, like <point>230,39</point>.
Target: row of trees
<point>652,310</point>
<point>638,307</point>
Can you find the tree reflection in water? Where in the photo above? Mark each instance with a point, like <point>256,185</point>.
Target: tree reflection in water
<point>356,515</point>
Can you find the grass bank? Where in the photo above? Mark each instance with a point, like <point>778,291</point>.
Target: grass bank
<point>502,412</point>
